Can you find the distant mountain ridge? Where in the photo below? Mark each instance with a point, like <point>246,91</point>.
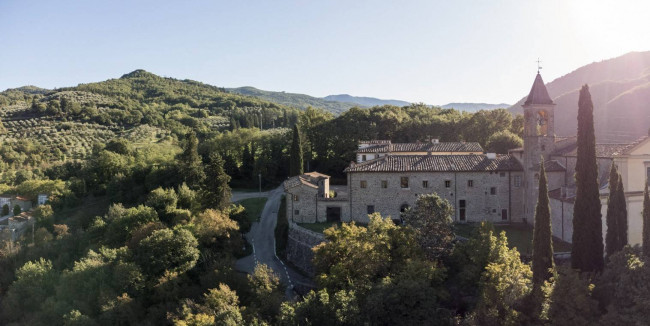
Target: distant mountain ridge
<point>473,107</point>
<point>300,101</point>
<point>620,91</point>
<point>364,101</point>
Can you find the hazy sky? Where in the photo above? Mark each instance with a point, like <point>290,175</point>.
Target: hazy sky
<point>420,51</point>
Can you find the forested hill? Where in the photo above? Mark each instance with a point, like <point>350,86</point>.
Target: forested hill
<point>620,90</point>
<point>140,107</point>
<point>301,101</point>
<point>364,101</point>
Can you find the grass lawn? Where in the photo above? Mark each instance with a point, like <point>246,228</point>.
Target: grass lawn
<point>319,227</point>
<point>254,207</point>
<point>519,236</point>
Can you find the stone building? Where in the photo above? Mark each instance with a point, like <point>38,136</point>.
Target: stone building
<point>370,150</point>
<point>309,199</point>
<point>480,187</point>
<point>387,177</point>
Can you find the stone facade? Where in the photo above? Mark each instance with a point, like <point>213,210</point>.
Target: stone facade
<point>486,196</point>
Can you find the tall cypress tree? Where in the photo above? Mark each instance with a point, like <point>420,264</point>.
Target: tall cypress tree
<point>542,238</point>
<point>215,190</point>
<point>612,243</point>
<point>622,213</point>
<point>296,163</point>
<point>191,164</point>
<point>646,221</point>
<point>587,250</point>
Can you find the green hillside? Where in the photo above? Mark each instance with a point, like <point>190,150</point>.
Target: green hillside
<point>301,101</point>
<point>62,124</point>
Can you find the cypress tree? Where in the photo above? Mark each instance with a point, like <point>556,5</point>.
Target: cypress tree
<point>622,213</point>
<point>612,243</point>
<point>216,191</point>
<point>296,163</point>
<point>646,221</point>
<point>587,250</point>
<point>542,238</point>
<point>191,164</point>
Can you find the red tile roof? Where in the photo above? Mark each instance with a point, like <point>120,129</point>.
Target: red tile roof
<point>437,163</point>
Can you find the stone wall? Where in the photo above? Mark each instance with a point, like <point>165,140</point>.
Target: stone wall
<point>299,247</point>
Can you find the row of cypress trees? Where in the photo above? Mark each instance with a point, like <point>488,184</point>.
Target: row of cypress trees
<point>588,252</point>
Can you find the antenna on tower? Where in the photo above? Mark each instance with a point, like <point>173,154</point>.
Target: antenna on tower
<point>539,67</point>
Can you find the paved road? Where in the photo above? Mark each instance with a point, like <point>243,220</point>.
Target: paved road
<point>262,238</point>
<point>240,195</point>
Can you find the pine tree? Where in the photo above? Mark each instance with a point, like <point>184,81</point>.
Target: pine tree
<point>622,213</point>
<point>612,243</point>
<point>542,239</point>
<point>296,163</point>
<point>216,191</point>
<point>587,250</point>
<point>646,221</point>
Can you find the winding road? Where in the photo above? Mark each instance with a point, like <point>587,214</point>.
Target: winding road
<point>262,238</point>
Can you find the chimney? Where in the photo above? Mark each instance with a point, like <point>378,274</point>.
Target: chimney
<point>491,156</point>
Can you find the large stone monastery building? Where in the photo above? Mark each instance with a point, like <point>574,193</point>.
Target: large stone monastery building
<point>387,177</point>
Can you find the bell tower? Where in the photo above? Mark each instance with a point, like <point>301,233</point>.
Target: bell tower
<point>539,140</point>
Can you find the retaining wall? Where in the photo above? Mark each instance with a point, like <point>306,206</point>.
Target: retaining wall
<point>299,247</point>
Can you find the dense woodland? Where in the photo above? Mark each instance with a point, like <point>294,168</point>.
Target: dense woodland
<point>139,228</point>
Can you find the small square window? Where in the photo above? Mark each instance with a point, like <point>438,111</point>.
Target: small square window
<point>295,198</point>
<point>494,210</point>
<point>502,174</point>
<point>363,158</point>
<point>297,212</point>
<point>363,184</point>
<point>404,182</point>
<point>425,184</point>
<point>384,184</point>
<point>447,183</point>
<point>493,190</point>
<point>470,183</point>
<point>370,209</point>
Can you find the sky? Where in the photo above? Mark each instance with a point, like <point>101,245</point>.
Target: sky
<point>428,51</point>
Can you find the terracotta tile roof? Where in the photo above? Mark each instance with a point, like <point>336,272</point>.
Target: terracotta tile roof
<point>550,166</point>
<point>423,147</point>
<point>538,93</point>
<point>437,163</point>
<point>299,180</point>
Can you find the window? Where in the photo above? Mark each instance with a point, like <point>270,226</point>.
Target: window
<point>504,214</point>
<point>363,184</point>
<point>363,158</point>
<point>404,207</point>
<point>502,174</point>
<point>296,212</point>
<point>517,181</point>
<point>384,184</point>
<point>493,190</point>
<point>470,183</point>
<point>370,209</point>
<point>425,184</point>
<point>494,210</point>
<point>461,212</point>
<point>543,147</point>
<point>404,182</point>
<point>447,183</point>
<point>295,197</point>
